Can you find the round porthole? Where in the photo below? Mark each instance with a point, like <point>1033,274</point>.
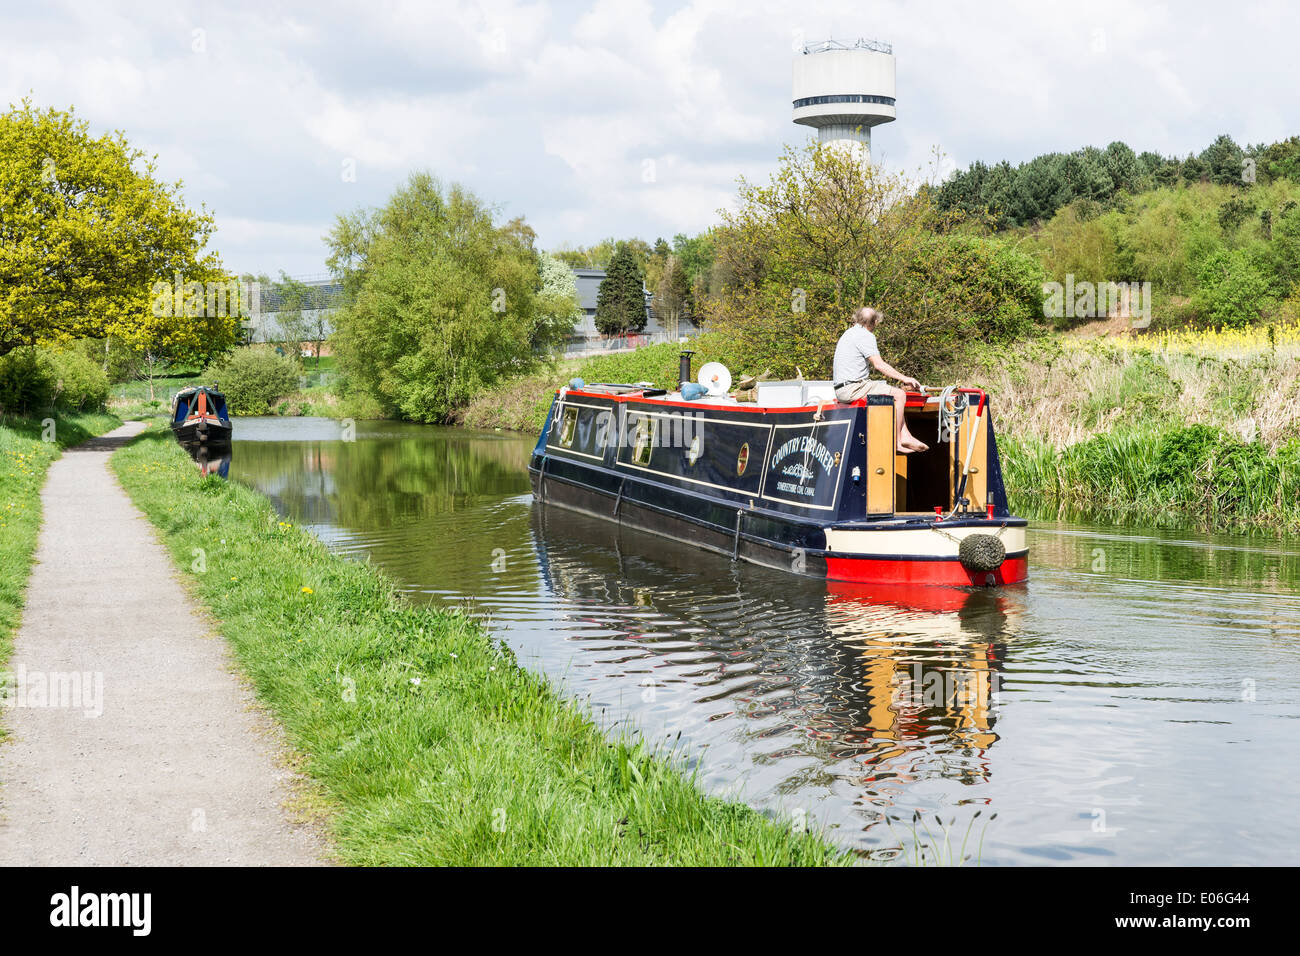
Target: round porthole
<point>697,446</point>
<point>742,460</point>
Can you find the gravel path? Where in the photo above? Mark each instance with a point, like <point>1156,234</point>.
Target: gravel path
<point>178,767</point>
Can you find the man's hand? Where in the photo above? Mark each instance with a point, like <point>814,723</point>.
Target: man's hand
<point>911,383</point>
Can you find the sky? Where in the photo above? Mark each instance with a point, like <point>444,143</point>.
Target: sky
<point>614,117</point>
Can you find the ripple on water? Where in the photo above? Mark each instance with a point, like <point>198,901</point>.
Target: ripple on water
<point>1133,703</point>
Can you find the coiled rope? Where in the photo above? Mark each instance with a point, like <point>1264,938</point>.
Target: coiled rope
<point>950,418</point>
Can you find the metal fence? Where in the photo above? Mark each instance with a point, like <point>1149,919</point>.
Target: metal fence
<point>579,347</point>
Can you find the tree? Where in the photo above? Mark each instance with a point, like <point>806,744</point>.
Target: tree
<point>1123,167</point>
<point>558,298</point>
<point>439,301</point>
<point>620,300</point>
<point>831,232</point>
<point>1285,247</point>
<point>1281,160</point>
<point>1222,161</point>
<point>1234,292</point>
<point>291,318</point>
<point>600,255</point>
<point>93,245</point>
<point>672,299</point>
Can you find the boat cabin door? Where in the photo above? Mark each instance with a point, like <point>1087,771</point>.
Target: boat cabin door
<point>882,466</point>
<point>923,481</point>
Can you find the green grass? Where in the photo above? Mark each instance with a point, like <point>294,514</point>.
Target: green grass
<point>318,396</point>
<point>24,459</point>
<point>429,744</point>
<point>130,400</point>
<point>1175,477</point>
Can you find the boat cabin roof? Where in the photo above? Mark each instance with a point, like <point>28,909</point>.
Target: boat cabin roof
<point>640,393</point>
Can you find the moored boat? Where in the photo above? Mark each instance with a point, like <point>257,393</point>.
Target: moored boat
<point>199,415</point>
<point>793,479</point>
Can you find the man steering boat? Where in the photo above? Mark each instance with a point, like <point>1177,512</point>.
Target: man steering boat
<point>856,355</point>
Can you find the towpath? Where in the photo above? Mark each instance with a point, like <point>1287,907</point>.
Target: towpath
<point>132,741</point>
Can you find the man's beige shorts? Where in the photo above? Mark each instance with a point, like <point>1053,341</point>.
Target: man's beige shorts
<point>856,390</point>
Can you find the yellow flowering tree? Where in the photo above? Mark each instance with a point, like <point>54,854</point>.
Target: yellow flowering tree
<point>93,245</point>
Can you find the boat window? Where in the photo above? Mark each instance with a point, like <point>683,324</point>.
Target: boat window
<point>567,426</point>
<point>645,440</point>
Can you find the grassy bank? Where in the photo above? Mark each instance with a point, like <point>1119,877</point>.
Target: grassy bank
<point>1198,429</point>
<point>433,746</point>
<point>131,400</point>
<point>319,394</point>
<point>25,457</point>
<point>520,404</point>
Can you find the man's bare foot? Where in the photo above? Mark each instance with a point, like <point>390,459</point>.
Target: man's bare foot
<point>905,437</point>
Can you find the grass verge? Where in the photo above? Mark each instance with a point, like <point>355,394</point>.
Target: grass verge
<point>1192,476</point>
<point>520,404</point>
<point>26,450</point>
<point>433,745</point>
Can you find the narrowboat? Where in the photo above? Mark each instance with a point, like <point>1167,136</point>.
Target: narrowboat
<point>199,415</point>
<point>790,478</point>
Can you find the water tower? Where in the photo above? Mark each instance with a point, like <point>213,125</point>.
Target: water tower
<point>844,89</point>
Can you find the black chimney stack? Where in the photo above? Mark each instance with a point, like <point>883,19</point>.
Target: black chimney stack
<point>684,369</point>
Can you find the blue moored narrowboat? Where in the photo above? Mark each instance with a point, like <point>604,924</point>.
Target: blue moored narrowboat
<point>199,415</point>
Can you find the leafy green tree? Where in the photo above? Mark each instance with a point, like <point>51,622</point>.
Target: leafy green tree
<point>1087,176</point>
<point>558,298</point>
<point>672,299</point>
<point>620,300</point>
<point>1040,189</point>
<point>89,239</point>
<point>1234,292</point>
<point>697,256</point>
<point>440,301</point>
<point>1285,247</point>
<point>1279,161</point>
<point>292,321</point>
<point>601,254</point>
<point>1123,168</point>
<point>830,232</point>
<point>1222,161</point>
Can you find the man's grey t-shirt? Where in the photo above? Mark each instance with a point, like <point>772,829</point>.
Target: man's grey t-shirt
<point>852,352</point>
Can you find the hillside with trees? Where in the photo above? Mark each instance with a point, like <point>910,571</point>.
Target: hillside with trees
<point>1216,233</point>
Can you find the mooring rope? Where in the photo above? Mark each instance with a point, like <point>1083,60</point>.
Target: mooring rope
<point>950,418</point>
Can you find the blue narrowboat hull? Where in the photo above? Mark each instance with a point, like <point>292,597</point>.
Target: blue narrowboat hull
<point>781,487</point>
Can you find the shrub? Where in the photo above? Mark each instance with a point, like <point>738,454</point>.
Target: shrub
<point>252,378</point>
<point>27,380</point>
<point>81,385</point>
<point>1234,292</point>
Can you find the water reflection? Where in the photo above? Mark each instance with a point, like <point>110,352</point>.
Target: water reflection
<point>885,683</point>
<point>211,459</point>
<point>1132,704</point>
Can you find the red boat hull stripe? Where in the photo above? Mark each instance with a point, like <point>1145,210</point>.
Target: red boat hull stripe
<point>904,571</point>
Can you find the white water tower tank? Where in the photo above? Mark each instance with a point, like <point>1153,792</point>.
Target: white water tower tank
<point>844,89</point>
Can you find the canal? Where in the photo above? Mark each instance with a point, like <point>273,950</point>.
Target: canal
<point>1137,702</point>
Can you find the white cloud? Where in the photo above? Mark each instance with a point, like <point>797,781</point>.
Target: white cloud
<point>554,110</point>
